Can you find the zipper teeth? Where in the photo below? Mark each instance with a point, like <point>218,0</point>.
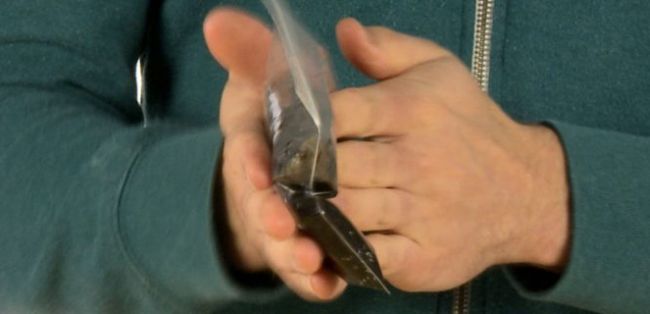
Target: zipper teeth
<point>482,40</point>
<point>461,299</point>
<point>481,72</point>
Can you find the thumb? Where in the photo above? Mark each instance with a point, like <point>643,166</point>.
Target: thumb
<point>241,43</point>
<point>382,53</point>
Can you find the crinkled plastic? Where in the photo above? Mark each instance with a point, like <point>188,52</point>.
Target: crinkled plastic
<point>304,161</point>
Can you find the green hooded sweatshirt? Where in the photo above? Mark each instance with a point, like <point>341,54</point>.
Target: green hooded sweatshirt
<point>101,215</point>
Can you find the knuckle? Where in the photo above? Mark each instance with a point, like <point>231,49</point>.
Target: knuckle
<point>415,161</point>
<point>423,162</point>
<point>350,103</point>
<point>344,99</point>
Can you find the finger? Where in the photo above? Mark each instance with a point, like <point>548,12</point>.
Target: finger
<point>283,255</point>
<point>367,164</point>
<point>366,112</point>
<point>307,260</point>
<point>239,42</point>
<point>276,218</point>
<point>375,209</point>
<point>299,284</point>
<point>296,261</point>
<point>382,53</point>
<point>307,255</point>
<point>314,288</point>
<point>267,214</point>
<point>327,285</point>
<point>395,254</point>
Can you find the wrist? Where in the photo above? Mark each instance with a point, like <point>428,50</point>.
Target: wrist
<point>547,240</point>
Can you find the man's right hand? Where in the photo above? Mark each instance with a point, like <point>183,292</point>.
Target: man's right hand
<point>263,230</point>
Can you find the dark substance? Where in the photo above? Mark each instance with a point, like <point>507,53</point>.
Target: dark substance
<point>294,139</point>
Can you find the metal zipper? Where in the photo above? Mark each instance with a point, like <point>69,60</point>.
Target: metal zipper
<point>482,40</point>
<point>481,72</point>
<point>461,299</point>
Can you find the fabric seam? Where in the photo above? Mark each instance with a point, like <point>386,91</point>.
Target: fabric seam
<point>132,263</point>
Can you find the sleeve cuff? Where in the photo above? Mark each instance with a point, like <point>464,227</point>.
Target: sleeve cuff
<point>165,221</point>
<point>608,264</point>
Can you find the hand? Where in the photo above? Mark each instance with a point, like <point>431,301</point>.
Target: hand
<point>263,231</point>
<point>448,181</point>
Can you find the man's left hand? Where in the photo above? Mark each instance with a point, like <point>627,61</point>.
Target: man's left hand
<point>443,180</point>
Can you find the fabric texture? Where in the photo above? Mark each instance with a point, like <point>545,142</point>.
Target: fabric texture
<point>99,214</point>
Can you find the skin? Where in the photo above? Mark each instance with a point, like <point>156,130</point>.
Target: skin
<point>444,181</point>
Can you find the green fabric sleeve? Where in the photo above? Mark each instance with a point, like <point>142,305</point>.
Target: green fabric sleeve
<point>97,213</point>
<point>609,263</point>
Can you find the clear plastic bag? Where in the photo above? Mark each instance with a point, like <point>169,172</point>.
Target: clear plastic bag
<point>304,161</point>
